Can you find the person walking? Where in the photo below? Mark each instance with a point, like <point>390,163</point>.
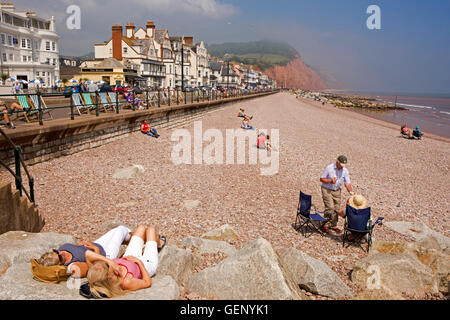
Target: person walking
<point>332,178</point>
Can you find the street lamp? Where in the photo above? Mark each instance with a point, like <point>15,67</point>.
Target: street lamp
<point>182,66</point>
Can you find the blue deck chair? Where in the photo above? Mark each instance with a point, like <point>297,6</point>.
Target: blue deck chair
<point>79,103</point>
<point>35,99</point>
<point>104,102</point>
<point>358,226</point>
<point>307,220</point>
<point>113,99</point>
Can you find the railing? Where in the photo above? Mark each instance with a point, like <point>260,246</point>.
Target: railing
<point>95,102</point>
<point>18,161</point>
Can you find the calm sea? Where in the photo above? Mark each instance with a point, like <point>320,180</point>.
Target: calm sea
<point>431,112</point>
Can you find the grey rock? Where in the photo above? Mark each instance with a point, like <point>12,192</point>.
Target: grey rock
<point>18,284</point>
<point>313,275</point>
<point>205,246</point>
<point>395,274</point>
<point>252,273</point>
<point>223,233</point>
<point>20,246</point>
<point>177,263</point>
<point>130,172</point>
<point>420,232</point>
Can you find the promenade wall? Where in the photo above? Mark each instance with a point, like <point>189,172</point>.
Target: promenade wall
<point>61,137</point>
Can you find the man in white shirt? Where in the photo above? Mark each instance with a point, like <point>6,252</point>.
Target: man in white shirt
<point>332,179</point>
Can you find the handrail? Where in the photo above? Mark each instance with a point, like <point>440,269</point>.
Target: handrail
<point>17,175</point>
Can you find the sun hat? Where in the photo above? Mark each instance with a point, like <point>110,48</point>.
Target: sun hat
<point>48,274</point>
<point>342,159</point>
<point>358,202</point>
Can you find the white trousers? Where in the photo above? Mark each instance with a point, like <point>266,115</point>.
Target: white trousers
<point>112,241</point>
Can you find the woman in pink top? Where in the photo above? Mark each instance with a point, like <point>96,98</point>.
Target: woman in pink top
<point>112,278</point>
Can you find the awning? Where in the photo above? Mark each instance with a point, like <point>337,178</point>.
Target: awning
<point>135,77</point>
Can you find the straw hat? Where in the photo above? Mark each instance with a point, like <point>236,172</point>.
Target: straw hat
<point>358,202</point>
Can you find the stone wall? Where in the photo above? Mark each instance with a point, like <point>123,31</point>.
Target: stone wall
<point>63,137</point>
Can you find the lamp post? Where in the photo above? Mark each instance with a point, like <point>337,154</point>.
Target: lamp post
<point>182,66</point>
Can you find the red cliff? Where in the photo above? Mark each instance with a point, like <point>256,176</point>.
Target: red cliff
<point>296,74</point>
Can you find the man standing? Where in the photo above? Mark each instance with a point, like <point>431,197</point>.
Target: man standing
<point>332,179</point>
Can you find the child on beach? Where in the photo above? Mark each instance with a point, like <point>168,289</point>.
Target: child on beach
<point>417,133</point>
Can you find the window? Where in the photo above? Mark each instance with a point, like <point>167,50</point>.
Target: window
<point>15,41</point>
<point>4,57</point>
<point>24,58</point>
<point>24,43</point>
<point>54,46</point>
<point>125,50</point>
<point>10,43</point>
<point>37,73</point>
<point>28,44</point>
<point>3,38</point>
<point>47,45</point>
<point>11,57</point>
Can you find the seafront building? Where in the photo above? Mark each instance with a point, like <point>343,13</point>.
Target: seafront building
<point>151,57</point>
<point>28,47</point>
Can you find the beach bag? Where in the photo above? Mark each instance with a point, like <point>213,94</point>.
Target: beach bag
<point>48,274</point>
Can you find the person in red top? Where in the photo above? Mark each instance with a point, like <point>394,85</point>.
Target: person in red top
<point>146,129</point>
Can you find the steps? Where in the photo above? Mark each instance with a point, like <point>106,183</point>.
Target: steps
<point>17,213</point>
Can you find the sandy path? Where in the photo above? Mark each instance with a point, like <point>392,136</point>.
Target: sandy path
<point>403,180</point>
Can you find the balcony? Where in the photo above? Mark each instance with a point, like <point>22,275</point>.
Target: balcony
<point>153,73</point>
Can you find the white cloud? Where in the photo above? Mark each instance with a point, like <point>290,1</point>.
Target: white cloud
<point>206,8</point>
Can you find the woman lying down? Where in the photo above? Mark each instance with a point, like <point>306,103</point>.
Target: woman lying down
<point>112,278</point>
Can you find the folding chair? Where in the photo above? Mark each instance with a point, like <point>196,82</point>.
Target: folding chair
<point>28,110</point>
<point>88,101</point>
<point>180,96</point>
<point>164,99</point>
<point>35,99</point>
<point>112,98</point>
<point>79,103</point>
<point>305,219</point>
<point>358,226</point>
<point>104,102</point>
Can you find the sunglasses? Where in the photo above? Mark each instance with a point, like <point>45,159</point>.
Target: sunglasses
<point>61,259</point>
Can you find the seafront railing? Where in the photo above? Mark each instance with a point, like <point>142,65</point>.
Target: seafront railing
<point>35,104</point>
<point>17,174</point>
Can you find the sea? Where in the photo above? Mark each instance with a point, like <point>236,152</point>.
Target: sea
<point>431,112</point>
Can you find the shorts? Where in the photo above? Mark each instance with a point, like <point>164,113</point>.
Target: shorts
<point>3,108</point>
<point>150,255</point>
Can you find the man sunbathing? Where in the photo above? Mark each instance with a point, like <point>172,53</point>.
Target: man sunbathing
<point>6,111</point>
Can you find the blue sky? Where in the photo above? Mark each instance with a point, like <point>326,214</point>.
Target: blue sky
<point>411,52</point>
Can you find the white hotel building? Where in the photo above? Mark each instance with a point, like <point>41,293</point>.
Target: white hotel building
<point>28,46</point>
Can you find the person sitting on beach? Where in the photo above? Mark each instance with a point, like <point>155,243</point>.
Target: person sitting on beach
<point>246,124</point>
<point>405,131</point>
<point>356,201</point>
<point>7,111</point>
<point>417,133</point>
<point>112,278</point>
<point>263,142</point>
<point>241,114</point>
<point>73,256</point>
<point>146,129</point>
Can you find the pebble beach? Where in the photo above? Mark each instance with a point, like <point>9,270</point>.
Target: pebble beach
<point>403,180</point>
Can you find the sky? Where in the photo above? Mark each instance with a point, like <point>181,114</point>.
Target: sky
<point>409,54</point>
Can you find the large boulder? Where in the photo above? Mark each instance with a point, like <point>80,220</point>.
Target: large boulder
<point>253,273</point>
<point>18,284</point>
<point>427,252</point>
<point>177,263</point>
<point>130,172</point>
<point>205,246</point>
<point>394,273</point>
<point>20,246</point>
<point>420,232</point>
<point>313,275</point>
<point>223,233</point>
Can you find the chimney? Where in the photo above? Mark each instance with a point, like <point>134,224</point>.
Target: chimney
<point>130,30</point>
<point>188,40</point>
<point>150,29</point>
<point>117,33</point>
